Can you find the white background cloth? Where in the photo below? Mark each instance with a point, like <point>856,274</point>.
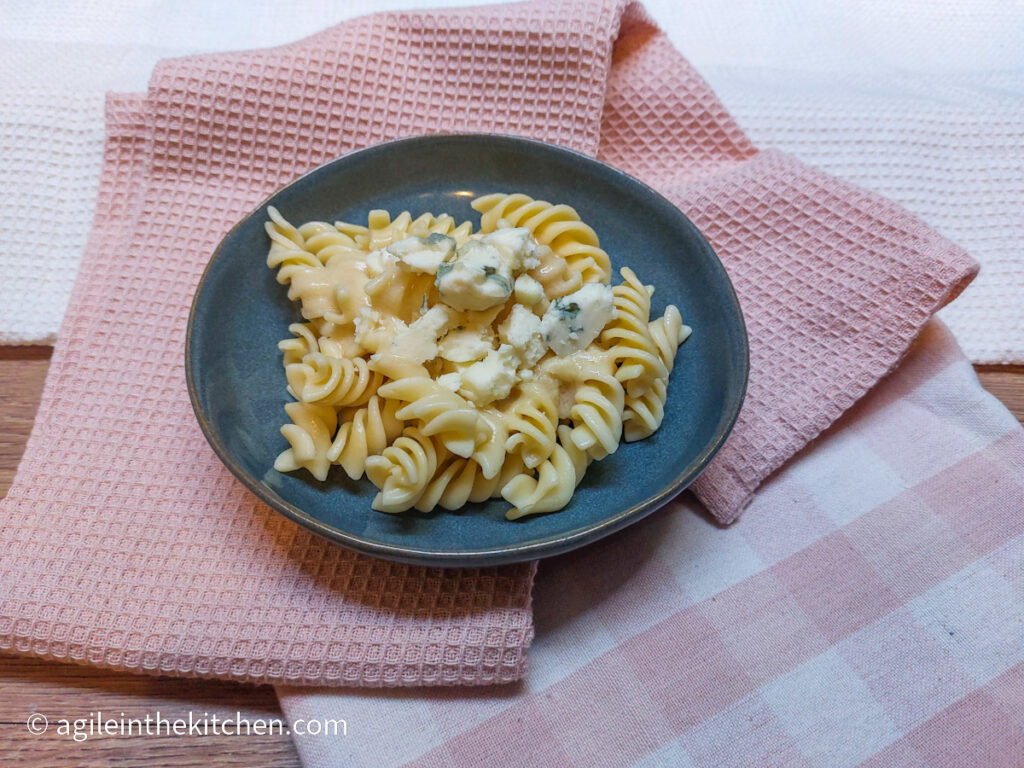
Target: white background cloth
<point>921,101</point>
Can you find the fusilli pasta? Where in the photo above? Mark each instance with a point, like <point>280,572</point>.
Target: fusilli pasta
<point>402,470</point>
<point>628,336</point>
<point>309,438</point>
<point>532,424</point>
<point>450,367</point>
<point>556,226</point>
<point>643,414</point>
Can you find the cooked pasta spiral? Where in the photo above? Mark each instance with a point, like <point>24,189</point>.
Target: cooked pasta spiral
<point>668,332</point>
<point>288,257</point>
<point>402,470</point>
<point>327,380</point>
<point>460,482</point>
<point>489,453</point>
<point>555,275</point>
<point>382,231</point>
<point>442,225</point>
<point>643,414</point>
<point>532,424</point>
<point>597,415</point>
<point>548,492</point>
<point>463,480</point>
<point>628,336</point>
<point>368,432</point>
<point>287,245</point>
<point>557,226</point>
<point>304,342</point>
<point>309,438</point>
<point>580,459</point>
<point>325,241</point>
<point>439,411</point>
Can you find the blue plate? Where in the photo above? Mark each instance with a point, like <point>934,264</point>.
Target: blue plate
<point>237,384</point>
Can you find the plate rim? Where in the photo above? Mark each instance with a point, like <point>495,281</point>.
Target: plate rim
<point>470,558</point>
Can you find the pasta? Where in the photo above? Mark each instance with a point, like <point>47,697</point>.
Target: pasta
<point>548,492</point>
<point>309,438</point>
<point>330,380</point>
<point>367,432</point>
<point>556,226</point>
<point>402,470</point>
<point>642,415</point>
<point>597,414</point>
<point>450,367</point>
<point>440,412</point>
<point>532,425</point>
<point>628,336</point>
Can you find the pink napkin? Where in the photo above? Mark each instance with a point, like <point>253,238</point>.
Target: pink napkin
<point>127,544</point>
<point>865,610</point>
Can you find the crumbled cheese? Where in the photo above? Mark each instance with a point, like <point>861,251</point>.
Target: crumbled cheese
<point>365,322</point>
<point>521,330</point>
<point>371,331</point>
<point>492,378</point>
<point>477,279</point>
<point>573,321</point>
<point>481,274</point>
<point>566,399</point>
<point>423,254</point>
<point>466,345</point>
<point>451,381</point>
<point>516,246</point>
<point>528,291</point>
<point>418,342</point>
<point>378,261</point>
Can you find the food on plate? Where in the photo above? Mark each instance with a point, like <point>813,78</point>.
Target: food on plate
<point>451,367</point>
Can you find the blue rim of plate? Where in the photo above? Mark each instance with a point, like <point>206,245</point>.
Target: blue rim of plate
<point>471,558</point>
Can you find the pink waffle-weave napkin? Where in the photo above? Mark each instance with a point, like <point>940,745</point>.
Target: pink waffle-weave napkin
<point>127,544</point>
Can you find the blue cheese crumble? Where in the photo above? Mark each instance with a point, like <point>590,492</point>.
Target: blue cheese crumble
<point>481,273</point>
<point>423,254</point>
<point>492,378</point>
<point>521,330</point>
<point>572,322</point>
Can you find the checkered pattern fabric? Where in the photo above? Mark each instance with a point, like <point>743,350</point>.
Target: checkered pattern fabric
<point>866,610</point>
<point>158,560</point>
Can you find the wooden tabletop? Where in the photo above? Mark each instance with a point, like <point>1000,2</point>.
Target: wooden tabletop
<point>71,691</point>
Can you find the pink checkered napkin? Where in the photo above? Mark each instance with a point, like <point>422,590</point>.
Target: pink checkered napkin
<point>127,544</point>
<point>865,610</point>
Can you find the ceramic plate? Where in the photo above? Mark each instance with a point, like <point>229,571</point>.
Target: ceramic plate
<point>240,312</point>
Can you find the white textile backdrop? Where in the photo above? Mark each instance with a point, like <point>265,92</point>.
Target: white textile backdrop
<point>921,100</point>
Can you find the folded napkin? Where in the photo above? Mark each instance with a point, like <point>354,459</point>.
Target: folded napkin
<point>947,146</point>
<point>865,610</point>
<point>157,559</point>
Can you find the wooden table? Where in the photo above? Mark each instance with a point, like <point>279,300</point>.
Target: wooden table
<point>71,691</point>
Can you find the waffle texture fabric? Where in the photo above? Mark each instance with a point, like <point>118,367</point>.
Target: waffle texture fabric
<point>58,60</point>
<point>920,101</point>
<point>948,147</point>
<point>865,611</point>
<point>160,561</point>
